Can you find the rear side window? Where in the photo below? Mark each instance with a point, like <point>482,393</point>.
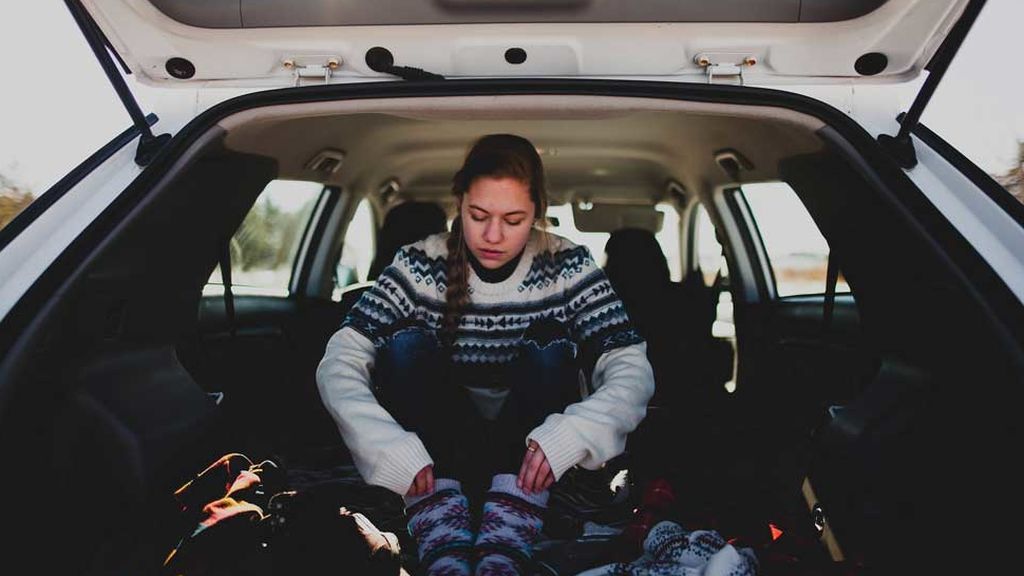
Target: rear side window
<point>562,223</point>
<point>797,252</point>
<point>710,256</point>
<point>358,248</point>
<point>264,247</point>
<point>715,272</point>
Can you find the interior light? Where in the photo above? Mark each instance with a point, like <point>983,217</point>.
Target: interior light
<point>585,205</point>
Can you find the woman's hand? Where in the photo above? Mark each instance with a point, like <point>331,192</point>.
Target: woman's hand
<point>423,483</point>
<point>535,473</point>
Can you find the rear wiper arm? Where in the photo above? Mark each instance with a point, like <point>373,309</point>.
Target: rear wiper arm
<point>381,60</point>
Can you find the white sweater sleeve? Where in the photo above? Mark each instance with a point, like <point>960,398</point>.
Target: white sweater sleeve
<point>384,453</point>
<point>593,431</point>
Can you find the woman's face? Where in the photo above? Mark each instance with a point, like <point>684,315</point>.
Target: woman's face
<point>497,215</point>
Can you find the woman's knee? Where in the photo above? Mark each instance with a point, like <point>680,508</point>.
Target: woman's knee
<point>548,342</point>
<point>408,344</point>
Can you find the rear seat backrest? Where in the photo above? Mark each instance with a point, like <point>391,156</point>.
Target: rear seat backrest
<point>404,224</point>
<point>674,318</point>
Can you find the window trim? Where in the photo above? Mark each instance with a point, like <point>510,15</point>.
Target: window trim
<point>311,235</point>
<point>691,254</point>
<point>754,243</point>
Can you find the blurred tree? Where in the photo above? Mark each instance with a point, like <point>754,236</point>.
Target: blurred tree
<point>13,199</point>
<point>1013,180</point>
<point>258,236</point>
<point>266,239</point>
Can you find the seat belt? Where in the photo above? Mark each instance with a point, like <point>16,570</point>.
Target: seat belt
<point>831,279</point>
<point>225,275</point>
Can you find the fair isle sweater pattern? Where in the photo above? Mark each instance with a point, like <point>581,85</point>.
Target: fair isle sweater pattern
<point>562,283</point>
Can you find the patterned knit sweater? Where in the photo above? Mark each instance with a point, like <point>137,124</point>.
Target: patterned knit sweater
<point>554,279</point>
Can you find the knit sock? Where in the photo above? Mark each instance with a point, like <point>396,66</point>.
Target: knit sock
<point>510,525</point>
<point>439,523</point>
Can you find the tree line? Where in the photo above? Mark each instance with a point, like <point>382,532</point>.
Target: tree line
<point>13,199</point>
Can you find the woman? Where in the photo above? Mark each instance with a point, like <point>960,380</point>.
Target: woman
<point>464,360</point>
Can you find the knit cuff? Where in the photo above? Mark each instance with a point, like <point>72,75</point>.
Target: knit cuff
<point>506,484</point>
<point>560,443</point>
<point>439,485</point>
<point>399,464</point>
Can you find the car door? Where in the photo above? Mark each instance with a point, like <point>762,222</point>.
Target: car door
<point>250,346</point>
<point>878,427</point>
<point>802,343</point>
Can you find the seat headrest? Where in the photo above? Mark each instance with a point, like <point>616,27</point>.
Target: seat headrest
<point>634,258</point>
<point>404,224</point>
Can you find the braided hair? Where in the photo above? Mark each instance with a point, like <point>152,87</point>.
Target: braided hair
<point>493,156</point>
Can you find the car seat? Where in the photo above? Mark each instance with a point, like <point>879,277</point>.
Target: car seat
<point>404,224</point>
<point>674,318</point>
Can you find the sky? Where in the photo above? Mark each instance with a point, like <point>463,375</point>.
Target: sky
<point>57,107</point>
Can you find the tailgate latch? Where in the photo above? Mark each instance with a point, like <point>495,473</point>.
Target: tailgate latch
<point>724,64</point>
<point>312,67</point>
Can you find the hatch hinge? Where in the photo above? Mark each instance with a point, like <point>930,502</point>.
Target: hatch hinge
<point>726,67</point>
<point>312,67</point>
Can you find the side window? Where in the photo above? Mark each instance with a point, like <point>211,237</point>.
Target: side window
<point>357,249</point>
<point>264,247</point>
<point>563,223</point>
<point>710,256</point>
<point>711,259</point>
<point>668,237</point>
<point>797,251</point>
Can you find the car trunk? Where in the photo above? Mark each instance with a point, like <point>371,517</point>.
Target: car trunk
<point>125,362</point>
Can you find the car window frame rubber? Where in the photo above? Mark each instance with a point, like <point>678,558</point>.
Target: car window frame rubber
<point>312,237</point>
<point>896,187</point>
<point>54,193</point>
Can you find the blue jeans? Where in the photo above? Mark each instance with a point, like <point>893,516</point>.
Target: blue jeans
<point>418,384</point>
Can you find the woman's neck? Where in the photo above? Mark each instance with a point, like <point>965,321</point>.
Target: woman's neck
<point>494,275</point>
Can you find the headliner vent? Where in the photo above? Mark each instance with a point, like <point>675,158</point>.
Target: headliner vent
<point>326,161</point>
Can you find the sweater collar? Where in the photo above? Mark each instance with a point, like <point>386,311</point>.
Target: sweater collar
<point>508,284</point>
<point>494,275</point>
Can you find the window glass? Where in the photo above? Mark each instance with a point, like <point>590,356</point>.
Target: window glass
<point>976,107</point>
<point>711,259</point>
<point>357,250</point>
<point>264,247</point>
<point>668,236</point>
<point>796,249</point>
<point>36,152</point>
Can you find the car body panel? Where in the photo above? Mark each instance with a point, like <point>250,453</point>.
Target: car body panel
<point>29,253</point>
<point>906,32</point>
<point>989,228</point>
